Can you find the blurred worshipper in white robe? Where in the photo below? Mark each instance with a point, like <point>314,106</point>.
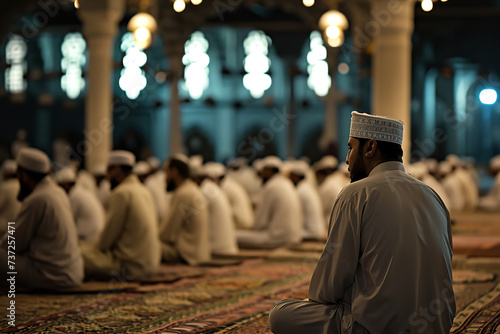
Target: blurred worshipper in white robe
<point>453,187</point>
<point>19,143</point>
<point>278,217</point>
<point>9,189</point>
<point>129,245</point>
<point>103,186</point>
<point>155,182</point>
<point>87,211</point>
<point>420,171</point>
<point>313,225</point>
<point>491,201</point>
<point>221,223</point>
<point>467,181</point>
<point>248,178</point>
<point>46,243</point>
<point>86,180</point>
<point>241,204</point>
<point>330,186</point>
<point>185,234</point>
<point>387,260</point>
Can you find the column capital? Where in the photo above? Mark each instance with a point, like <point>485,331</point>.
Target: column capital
<point>101,17</point>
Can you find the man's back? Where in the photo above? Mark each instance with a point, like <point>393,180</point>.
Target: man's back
<point>388,256</point>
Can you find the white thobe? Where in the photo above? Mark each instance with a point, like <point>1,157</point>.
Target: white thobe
<point>87,181</point>
<point>156,184</point>
<point>492,200</point>
<point>222,227</point>
<point>312,212</point>
<point>241,204</point>
<point>9,205</point>
<point>469,188</point>
<point>252,183</point>
<point>88,214</point>
<point>104,192</point>
<point>386,264</point>
<point>328,192</point>
<point>46,242</point>
<point>129,243</point>
<point>432,182</point>
<point>278,218</point>
<point>454,189</point>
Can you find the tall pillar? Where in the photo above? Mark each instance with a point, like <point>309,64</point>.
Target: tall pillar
<point>100,24</point>
<point>391,25</point>
<point>175,110</point>
<point>330,135</point>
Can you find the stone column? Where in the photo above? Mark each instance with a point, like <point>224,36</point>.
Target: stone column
<point>100,24</point>
<point>176,145</point>
<point>391,26</point>
<point>330,135</point>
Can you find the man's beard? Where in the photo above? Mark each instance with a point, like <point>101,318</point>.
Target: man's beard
<point>171,186</point>
<point>358,170</point>
<point>24,191</point>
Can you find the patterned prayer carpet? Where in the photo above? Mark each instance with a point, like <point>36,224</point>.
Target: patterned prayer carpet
<point>224,299</point>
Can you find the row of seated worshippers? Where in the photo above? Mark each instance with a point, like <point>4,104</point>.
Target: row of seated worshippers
<point>65,232</point>
<point>457,182</point>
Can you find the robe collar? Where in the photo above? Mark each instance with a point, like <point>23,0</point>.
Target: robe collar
<point>387,166</point>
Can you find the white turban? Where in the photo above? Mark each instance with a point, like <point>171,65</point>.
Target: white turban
<point>33,160</point>
<point>299,167</point>
<point>328,161</point>
<point>121,158</point>
<point>271,161</point>
<point>66,175</point>
<point>141,168</point>
<point>376,127</point>
<point>214,169</point>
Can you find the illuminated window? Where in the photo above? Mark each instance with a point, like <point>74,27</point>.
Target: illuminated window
<point>132,78</point>
<point>15,53</point>
<point>257,63</point>
<point>196,61</point>
<point>73,51</point>
<point>319,80</point>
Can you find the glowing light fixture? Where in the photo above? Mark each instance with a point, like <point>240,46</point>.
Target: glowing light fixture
<point>196,61</point>
<point>179,5</point>
<point>256,63</point>
<point>427,5</point>
<point>15,53</point>
<point>196,2</point>
<point>318,79</point>
<point>308,3</point>
<point>143,25</point>
<point>333,23</point>
<point>73,50</point>
<point>343,68</point>
<point>132,78</point>
<point>488,96</point>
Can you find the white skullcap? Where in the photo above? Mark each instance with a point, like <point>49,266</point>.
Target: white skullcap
<point>121,158</point>
<point>445,167</point>
<point>33,160</point>
<point>98,170</point>
<point>376,127</point>
<point>9,166</point>
<point>271,161</point>
<point>328,161</point>
<point>432,164</point>
<point>66,175</point>
<point>196,170</point>
<point>453,159</point>
<point>141,168</point>
<point>154,162</point>
<point>196,161</point>
<point>214,169</point>
<point>257,164</point>
<point>299,167</point>
<point>495,162</point>
<point>180,157</point>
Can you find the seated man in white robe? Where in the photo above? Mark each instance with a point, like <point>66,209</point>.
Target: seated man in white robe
<point>129,244</point>
<point>313,225</point>
<point>87,211</point>
<point>43,235</point>
<point>386,267</point>
<point>454,188</point>
<point>241,204</point>
<point>278,217</point>
<point>185,234</point>
<point>222,227</point>
<point>491,201</point>
<point>9,188</point>
<point>103,187</point>
<point>330,185</point>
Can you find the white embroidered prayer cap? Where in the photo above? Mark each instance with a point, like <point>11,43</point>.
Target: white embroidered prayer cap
<point>214,169</point>
<point>121,158</point>
<point>9,166</point>
<point>376,127</point>
<point>66,175</point>
<point>141,168</point>
<point>271,161</point>
<point>33,160</point>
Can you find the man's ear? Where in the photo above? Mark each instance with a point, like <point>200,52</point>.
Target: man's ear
<point>371,148</point>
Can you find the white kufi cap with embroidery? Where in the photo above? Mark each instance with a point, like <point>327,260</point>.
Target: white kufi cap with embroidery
<point>376,127</point>
<point>33,160</point>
